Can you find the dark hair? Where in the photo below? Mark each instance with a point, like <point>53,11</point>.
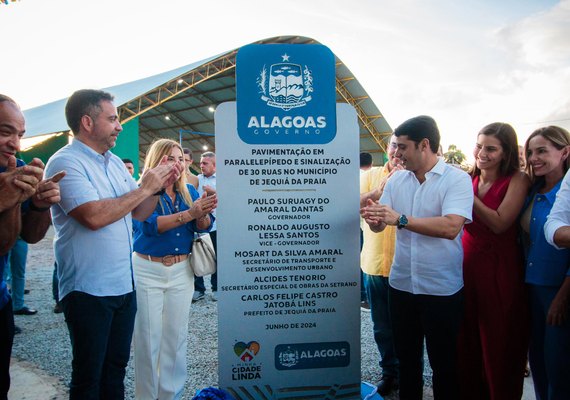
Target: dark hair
<point>365,160</point>
<point>558,137</point>
<point>186,150</point>
<point>508,138</point>
<point>126,161</point>
<point>4,98</point>
<point>84,102</point>
<point>420,128</point>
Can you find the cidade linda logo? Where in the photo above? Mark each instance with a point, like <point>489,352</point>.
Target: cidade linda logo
<point>246,351</point>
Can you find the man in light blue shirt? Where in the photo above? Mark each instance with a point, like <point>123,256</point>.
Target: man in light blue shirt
<point>93,243</point>
<point>207,181</point>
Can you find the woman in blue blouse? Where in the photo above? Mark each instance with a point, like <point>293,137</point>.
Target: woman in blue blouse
<point>164,280</point>
<point>547,269</point>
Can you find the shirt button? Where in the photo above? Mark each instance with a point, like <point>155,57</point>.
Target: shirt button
<point>539,199</point>
<point>178,234</point>
<point>529,264</point>
<point>176,249</point>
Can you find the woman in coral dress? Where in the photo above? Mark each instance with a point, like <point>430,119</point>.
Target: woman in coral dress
<point>494,336</point>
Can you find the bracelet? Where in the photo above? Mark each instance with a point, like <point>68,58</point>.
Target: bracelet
<point>181,218</point>
<point>160,192</point>
<point>33,207</point>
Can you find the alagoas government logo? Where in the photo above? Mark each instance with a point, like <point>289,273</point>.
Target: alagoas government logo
<point>312,355</point>
<point>288,85</point>
<point>286,94</point>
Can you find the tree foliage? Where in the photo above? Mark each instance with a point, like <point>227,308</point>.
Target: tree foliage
<point>454,155</point>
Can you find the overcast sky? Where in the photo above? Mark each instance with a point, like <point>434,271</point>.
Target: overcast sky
<point>467,63</point>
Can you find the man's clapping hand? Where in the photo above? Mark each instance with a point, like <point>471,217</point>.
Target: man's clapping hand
<point>17,184</point>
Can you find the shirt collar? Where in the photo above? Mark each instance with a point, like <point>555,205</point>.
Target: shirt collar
<point>551,195</point>
<point>438,168</point>
<point>82,147</point>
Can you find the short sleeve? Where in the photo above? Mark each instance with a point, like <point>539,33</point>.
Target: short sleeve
<point>560,214</point>
<point>458,199</point>
<point>75,187</point>
<point>365,182</point>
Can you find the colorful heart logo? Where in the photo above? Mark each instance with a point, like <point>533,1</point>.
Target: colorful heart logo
<point>252,348</point>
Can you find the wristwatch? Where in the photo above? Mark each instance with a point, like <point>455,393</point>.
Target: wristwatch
<point>33,207</point>
<point>402,221</point>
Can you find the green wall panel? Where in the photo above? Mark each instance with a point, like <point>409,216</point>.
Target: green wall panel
<point>127,145</point>
<point>44,150</point>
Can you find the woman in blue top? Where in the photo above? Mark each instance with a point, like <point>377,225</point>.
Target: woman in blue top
<point>164,280</point>
<point>547,269</point>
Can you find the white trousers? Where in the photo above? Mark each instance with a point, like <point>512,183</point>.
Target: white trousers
<point>164,296</point>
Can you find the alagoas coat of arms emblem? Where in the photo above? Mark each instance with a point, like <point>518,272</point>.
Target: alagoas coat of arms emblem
<point>285,85</point>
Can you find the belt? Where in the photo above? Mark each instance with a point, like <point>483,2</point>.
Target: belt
<point>167,261</point>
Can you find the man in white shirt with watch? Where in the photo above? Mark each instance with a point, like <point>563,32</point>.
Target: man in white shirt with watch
<point>557,227</point>
<point>429,202</point>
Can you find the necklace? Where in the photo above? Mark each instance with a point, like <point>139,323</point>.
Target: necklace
<point>173,205</point>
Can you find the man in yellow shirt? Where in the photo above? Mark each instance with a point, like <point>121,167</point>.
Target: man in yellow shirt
<point>365,165</point>
<point>375,260</point>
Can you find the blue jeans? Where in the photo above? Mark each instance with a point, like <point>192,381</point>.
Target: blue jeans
<point>17,260</point>
<point>437,319</point>
<point>100,329</point>
<point>377,291</point>
<point>549,353</point>
<point>6,341</point>
<point>199,280</point>
<point>55,283</point>
<point>363,295</point>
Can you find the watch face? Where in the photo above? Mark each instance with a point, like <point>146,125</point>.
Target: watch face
<point>402,221</point>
